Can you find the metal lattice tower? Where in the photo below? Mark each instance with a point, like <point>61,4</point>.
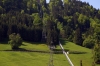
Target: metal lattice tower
<point>40,9</point>
<point>51,58</point>
<point>44,33</point>
<point>38,1</point>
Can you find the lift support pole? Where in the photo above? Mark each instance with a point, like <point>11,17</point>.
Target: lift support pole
<point>71,64</point>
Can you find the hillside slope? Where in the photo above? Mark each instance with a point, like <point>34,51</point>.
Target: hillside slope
<point>78,53</point>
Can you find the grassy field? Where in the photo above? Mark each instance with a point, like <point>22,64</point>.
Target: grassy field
<point>78,53</point>
<point>20,58</point>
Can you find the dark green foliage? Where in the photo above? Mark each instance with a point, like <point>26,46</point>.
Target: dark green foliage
<point>68,33</point>
<point>71,19</point>
<point>13,5</point>
<point>97,45</point>
<point>15,41</point>
<point>78,37</point>
<point>96,53</point>
<point>55,36</point>
<point>37,35</point>
<point>1,33</point>
<point>52,33</point>
<point>89,42</point>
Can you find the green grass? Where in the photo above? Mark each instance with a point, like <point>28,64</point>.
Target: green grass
<point>77,53</point>
<point>23,59</point>
<point>19,58</point>
<point>35,46</point>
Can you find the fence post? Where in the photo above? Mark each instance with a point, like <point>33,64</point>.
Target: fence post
<point>81,63</point>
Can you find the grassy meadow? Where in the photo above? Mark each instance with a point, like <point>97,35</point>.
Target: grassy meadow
<point>78,53</point>
<point>41,58</point>
<point>22,58</point>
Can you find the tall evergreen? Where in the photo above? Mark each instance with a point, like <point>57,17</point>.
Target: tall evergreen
<point>52,33</point>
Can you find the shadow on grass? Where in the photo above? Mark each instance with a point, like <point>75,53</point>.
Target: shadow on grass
<point>36,43</point>
<point>77,52</point>
<point>55,51</point>
<point>59,51</point>
<point>25,50</point>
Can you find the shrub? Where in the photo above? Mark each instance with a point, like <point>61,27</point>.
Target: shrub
<point>15,41</point>
<point>89,42</point>
<point>96,55</point>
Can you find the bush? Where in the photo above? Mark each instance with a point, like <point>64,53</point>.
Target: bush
<point>96,55</point>
<point>15,41</point>
<point>89,42</point>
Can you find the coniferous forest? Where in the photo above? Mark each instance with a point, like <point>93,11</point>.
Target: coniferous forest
<point>74,20</point>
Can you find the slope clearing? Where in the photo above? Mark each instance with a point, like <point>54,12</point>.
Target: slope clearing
<point>29,57</point>
<point>41,58</point>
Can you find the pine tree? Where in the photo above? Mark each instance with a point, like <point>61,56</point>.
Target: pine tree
<point>78,37</point>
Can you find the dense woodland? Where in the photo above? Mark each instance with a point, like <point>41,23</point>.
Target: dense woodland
<point>74,20</point>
